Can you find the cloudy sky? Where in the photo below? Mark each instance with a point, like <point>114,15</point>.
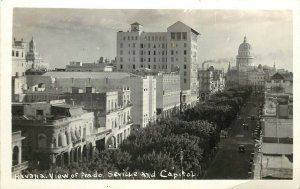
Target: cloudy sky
<point>64,35</point>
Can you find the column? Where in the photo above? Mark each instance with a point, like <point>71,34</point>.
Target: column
<point>69,157</point>
<point>20,154</point>
<point>53,159</point>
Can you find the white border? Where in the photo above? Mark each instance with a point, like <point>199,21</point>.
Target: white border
<point>5,88</point>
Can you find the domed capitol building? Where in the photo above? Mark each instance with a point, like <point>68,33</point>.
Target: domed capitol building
<point>245,73</point>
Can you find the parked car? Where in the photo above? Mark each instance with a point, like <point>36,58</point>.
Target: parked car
<point>242,148</point>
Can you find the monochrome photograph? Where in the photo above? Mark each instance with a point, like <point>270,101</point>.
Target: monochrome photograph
<point>152,94</point>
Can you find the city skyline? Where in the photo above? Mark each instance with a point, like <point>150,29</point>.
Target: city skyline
<point>85,35</point>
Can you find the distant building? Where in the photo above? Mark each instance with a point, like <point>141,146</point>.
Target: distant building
<point>256,79</point>
<point>168,51</point>
<point>280,83</point>
<point>55,133</point>
<point>210,82</point>
<point>88,67</point>
<point>19,67</point>
<point>34,59</point>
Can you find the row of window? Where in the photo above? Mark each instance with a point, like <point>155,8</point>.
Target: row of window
<point>146,38</point>
<point>154,67</point>
<point>178,36</point>
<point>16,53</point>
<point>155,59</point>
<point>163,45</point>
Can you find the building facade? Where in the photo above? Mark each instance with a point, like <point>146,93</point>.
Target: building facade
<point>19,67</point>
<point>167,94</point>
<point>55,133</point>
<point>210,82</point>
<point>142,88</point>
<point>174,50</point>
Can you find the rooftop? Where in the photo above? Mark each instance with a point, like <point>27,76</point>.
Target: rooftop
<point>92,75</point>
<point>278,128</point>
<point>275,148</point>
<point>277,167</point>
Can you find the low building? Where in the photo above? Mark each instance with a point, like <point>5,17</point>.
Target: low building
<point>18,165</point>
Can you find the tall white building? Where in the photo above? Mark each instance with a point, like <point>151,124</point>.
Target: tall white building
<point>174,50</point>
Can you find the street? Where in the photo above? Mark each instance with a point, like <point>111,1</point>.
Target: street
<point>229,163</point>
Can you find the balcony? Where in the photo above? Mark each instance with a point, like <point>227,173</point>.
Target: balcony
<point>20,167</point>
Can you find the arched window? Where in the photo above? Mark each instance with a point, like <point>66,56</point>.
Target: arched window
<point>15,156</point>
<point>42,141</point>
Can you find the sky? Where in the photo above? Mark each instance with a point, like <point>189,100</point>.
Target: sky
<point>64,35</point>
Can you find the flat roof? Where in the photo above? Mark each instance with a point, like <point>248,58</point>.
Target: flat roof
<point>275,148</point>
<point>277,167</point>
<point>278,128</point>
<point>93,75</point>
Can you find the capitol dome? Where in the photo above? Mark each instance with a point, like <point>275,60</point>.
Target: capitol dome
<point>245,49</point>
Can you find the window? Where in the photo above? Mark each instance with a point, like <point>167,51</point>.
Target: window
<point>141,59</point>
<point>154,53</point>
<point>133,45</point>
<point>17,53</point>
<point>178,35</point>
<point>184,52</point>
<point>133,52</point>
<point>149,66</point>
<point>184,73</point>
<point>172,36</point>
<point>121,66</point>
<point>148,59</point>
<point>13,53</point>
<point>148,52</point>
<point>128,38</point>
<point>184,34</point>
<point>154,59</point>
<point>184,80</point>
<point>133,66</point>
<point>154,46</point>
<point>172,59</point>
<point>155,38</point>
<point>184,66</point>
<point>124,38</point>
<point>142,46</point>
<point>136,37</point>
<point>172,52</point>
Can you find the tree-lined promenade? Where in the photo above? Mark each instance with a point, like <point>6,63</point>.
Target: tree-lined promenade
<point>185,143</point>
